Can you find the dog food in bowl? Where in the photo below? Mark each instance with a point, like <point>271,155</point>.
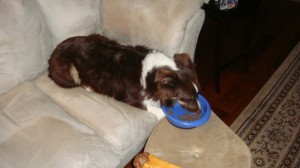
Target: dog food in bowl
<point>190,117</point>
<point>182,118</point>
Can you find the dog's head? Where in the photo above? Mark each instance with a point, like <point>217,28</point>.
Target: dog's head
<point>178,85</point>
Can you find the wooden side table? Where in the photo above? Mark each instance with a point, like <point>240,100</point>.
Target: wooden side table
<point>226,21</point>
<point>212,145</point>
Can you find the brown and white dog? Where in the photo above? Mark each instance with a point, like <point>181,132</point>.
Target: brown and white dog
<point>136,75</point>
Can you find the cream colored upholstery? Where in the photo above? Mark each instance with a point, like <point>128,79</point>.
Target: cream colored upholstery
<point>124,120</point>
<point>43,125</point>
<point>212,145</point>
<point>35,132</point>
<point>136,23</point>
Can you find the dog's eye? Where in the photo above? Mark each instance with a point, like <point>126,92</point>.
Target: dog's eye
<point>168,102</point>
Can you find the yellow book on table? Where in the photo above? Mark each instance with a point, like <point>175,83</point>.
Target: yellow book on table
<point>146,160</point>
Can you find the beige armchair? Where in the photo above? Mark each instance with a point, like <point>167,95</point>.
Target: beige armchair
<point>43,125</point>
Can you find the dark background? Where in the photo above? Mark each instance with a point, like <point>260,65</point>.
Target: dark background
<point>243,46</point>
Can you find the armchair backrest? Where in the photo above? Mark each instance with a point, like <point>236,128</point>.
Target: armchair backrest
<point>169,26</point>
<point>67,18</point>
<point>24,42</point>
<point>31,29</point>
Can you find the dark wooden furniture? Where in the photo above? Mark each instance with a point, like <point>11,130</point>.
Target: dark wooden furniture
<point>227,23</point>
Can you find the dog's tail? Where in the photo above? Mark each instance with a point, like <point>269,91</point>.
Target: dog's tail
<point>62,70</point>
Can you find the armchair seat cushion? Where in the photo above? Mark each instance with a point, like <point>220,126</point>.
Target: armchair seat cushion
<point>68,127</point>
<point>40,134</point>
<point>122,125</point>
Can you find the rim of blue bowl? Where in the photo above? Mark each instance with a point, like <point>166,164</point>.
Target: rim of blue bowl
<point>205,115</point>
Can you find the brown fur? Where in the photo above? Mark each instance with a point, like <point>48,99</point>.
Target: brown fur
<point>112,69</point>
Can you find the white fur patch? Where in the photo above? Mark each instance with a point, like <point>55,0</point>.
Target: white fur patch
<point>87,88</point>
<point>195,87</point>
<point>154,108</point>
<point>74,74</point>
<point>199,105</point>
<point>154,60</point>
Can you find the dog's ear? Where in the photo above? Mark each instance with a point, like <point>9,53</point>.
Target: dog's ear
<point>183,60</point>
<point>166,77</point>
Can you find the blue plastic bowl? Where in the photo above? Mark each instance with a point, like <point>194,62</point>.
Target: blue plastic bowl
<point>174,114</point>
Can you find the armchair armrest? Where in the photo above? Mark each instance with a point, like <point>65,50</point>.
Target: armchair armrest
<point>168,26</point>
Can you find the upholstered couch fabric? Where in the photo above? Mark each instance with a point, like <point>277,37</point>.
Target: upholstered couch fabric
<point>212,145</point>
<point>25,43</point>
<point>69,18</point>
<point>35,133</point>
<point>128,127</point>
<point>152,23</point>
<point>43,125</point>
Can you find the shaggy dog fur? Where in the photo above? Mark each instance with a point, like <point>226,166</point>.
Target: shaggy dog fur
<point>135,75</point>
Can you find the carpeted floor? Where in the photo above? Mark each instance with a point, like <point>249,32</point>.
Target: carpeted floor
<point>270,124</point>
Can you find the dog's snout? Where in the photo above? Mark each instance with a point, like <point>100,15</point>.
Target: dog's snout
<point>194,107</point>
